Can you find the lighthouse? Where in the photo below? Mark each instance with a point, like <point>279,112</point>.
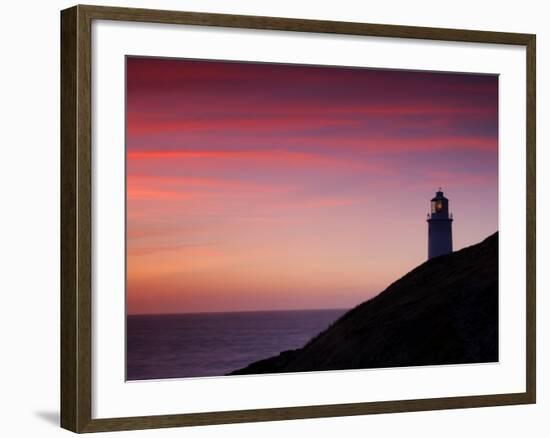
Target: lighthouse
<point>440,232</point>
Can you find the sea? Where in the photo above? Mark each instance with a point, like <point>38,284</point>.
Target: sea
<point>214,344</point>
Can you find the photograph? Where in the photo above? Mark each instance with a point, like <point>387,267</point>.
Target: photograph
<point>291,218</point>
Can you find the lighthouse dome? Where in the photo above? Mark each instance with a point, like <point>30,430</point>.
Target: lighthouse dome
<point>438,195</point>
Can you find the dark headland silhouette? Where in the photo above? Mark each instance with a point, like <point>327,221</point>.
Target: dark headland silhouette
<point>443,312</point>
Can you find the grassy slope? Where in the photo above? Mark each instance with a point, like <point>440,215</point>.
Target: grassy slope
<point>443,312</point>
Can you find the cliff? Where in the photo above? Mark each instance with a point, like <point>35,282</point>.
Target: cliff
<point>445,311</point>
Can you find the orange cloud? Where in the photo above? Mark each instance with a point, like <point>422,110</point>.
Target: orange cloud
<point>241,157</point>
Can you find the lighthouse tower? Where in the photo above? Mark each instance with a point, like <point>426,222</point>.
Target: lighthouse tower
<point>440,232</point>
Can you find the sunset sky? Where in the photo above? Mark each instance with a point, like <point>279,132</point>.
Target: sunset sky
<point>267,186</point>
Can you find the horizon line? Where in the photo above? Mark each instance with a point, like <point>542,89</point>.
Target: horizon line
<point>239,311</point>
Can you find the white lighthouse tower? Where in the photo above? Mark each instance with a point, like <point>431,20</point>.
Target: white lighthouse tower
<point>440,232</point>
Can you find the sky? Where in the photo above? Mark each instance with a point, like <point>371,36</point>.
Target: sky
<point>268,186</point>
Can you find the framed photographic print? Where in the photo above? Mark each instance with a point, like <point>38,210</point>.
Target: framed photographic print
<point>271,218</point>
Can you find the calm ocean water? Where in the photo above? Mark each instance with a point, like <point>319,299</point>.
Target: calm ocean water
<point>213,344</point>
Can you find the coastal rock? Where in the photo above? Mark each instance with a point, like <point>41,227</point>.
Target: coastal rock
<point>445,311</point>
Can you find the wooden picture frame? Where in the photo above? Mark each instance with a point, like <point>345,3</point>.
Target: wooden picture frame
<point>76,218</point>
